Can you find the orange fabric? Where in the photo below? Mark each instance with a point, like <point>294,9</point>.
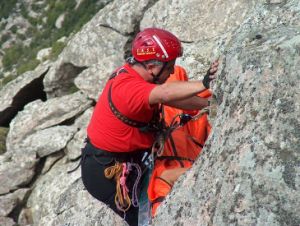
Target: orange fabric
<point>183,138</point>
<point>161,189</point>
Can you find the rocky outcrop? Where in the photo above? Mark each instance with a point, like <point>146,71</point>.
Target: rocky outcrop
<point>38,116</point>
<point>16,94</point>
<point>88,47</point>
<point>59,199</point>
<point>92,80</point>
<point>16,174</point>
<point>124,16</point>
<point>102,41</point>
<point>247,174</point>
<point>6,221</point>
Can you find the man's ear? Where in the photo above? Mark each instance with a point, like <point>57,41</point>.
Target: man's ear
<point>150,67</point>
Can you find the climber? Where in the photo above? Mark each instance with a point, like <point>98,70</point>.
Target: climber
<point>126,119</point>
<point>181,148</point>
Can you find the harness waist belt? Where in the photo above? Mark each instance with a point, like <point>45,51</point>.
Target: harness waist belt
<point>124,156</point>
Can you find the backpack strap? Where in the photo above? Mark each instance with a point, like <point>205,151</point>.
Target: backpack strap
<point>120,116</point>
<point>175,158</point>
<point>143,126</point>
<point>175,150</point>
<point>158,200</point>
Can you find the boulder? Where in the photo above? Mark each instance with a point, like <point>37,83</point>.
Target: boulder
<point>92,80</point>
<point>102,41</point>
<point>51,160</point>
<point>43,54</point>
<point>59,198</point>
<point>40,115</point>
<point>122,16</point>
<point>7,204</point>
<point>59,21</point>
<point>87,47</point>
<point>47,141</point>
<point>10,201</point>
<point>19,92</point>
<point>6,221</point>
<point>14,175</point>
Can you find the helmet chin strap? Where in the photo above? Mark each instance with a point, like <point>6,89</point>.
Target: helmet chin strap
<point>156,77</point>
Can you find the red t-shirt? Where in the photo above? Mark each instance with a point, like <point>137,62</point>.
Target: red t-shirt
<point>130,95</point>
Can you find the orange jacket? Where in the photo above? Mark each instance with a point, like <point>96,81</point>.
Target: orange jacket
<point>180,150</point>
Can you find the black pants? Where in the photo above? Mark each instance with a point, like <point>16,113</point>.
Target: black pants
<point>94,162</point>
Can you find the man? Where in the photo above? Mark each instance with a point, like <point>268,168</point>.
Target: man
<point>126,119</point>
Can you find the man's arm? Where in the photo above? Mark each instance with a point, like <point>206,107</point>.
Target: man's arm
<point>191,103</point>
<point>174,91</point>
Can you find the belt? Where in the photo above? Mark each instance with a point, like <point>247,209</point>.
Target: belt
<point>136,155</point>
<point>90,150</point>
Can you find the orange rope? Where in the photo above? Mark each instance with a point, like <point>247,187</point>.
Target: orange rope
<point>115,171</point>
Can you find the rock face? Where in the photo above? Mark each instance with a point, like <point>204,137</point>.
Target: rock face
<point>248,173</point>
<point>199,25</point>
<point>197,20</point>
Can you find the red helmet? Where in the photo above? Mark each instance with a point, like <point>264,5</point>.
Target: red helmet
<point>156,44</point>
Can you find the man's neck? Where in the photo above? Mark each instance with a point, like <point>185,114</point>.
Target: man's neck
<point>142,72</point>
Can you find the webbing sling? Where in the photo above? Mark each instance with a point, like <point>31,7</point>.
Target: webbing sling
<point>175,150</point>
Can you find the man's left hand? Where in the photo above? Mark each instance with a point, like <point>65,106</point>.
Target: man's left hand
<point>210,74</point>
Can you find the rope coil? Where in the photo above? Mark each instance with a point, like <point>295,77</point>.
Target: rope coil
<point>122,198</point>
<point>119,172</point>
